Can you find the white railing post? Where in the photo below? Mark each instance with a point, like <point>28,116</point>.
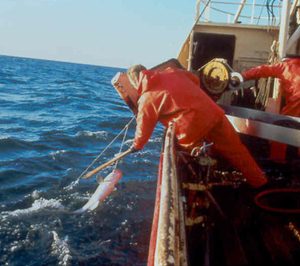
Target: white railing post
<point>197,10</point>
<point>236,17</point>
<point>253,12</point>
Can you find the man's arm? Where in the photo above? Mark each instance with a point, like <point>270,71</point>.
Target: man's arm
<point>146,120</point>
<point>264,71</point>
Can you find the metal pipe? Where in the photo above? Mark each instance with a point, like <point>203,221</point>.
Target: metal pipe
<point>253,12</point>
<point>191,48</point>
<point>294,7</point>
<point>242,4</point>
<point>238,3</point>
<point>197,9</point>
<point>207,11</point>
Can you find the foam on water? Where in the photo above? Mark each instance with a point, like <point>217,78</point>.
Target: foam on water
<point>97,134</point>
<point>60,248</point>
<point>72,185</point>
<point>37,205</point>
<point>34,194</point>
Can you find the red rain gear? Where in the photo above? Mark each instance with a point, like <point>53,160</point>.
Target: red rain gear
<point>288,72</point>
<point>175,96</point>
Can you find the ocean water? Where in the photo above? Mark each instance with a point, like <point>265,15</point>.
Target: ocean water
<point>55,120</point>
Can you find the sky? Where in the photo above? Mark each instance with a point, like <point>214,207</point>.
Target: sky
<point>116,33</point>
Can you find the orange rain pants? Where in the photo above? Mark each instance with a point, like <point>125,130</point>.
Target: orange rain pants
<point>175,96</point>
<point>288,72</point>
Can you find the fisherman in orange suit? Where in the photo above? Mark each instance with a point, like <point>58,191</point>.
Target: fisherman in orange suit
<point>174,95</point>
<point>288,73</point>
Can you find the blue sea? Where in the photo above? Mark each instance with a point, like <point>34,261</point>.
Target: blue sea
<point>56,119</point>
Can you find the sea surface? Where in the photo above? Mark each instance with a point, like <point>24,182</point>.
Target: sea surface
<point>55,120</point>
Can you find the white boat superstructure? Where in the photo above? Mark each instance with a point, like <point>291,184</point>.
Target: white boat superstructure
<point>245,34</point>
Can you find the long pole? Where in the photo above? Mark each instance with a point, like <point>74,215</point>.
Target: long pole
<point>110,162</point>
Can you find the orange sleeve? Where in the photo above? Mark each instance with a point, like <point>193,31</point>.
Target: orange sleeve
<point>146,120</point>
<point>264,71</point>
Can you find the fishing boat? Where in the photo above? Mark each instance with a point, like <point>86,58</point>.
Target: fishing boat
<point>205,213</point>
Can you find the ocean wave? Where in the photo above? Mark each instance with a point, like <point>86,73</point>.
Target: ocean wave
<point>152,140</point>
<point>4,137</point>
<point>15,80</point>
<point>55,154</point>
<point>97,134</point>
<point>35,194</point>
<point>59,116</point>
<point>65,81</point>
<point>37,206</point>
<point>8,143</point>
<point>10,176</point>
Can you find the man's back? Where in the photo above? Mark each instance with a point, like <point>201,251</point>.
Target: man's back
<point>175,95</point>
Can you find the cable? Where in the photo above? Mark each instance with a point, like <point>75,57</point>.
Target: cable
<point>97,158</point>
<point>262,8</point>
<point>122,144</point>
<point>272,12</point>
<point>197,19</point>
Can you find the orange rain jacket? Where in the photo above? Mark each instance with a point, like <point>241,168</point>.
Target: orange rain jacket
<point>174,95</point>
<point>288,72</point>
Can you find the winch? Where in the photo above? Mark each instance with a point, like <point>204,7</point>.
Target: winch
<point>217,76</point>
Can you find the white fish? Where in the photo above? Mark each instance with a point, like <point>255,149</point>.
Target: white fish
<point>103,190</point>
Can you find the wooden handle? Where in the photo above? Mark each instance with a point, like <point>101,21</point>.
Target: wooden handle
<point>110,162</point>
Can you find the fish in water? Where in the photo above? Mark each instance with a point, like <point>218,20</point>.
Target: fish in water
<point>103,191</point>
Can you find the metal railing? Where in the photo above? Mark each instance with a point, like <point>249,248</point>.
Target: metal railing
<point>170,241</point>
<point>250,12</point>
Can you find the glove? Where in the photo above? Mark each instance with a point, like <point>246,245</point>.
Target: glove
<point>133,149</point>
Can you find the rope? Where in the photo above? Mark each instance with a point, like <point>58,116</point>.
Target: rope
<point>101,153</point>
<point>76,182</point>
<point>262,8</point>
<point>122,144</point>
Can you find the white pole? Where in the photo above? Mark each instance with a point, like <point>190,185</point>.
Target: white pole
<point>253,11</point>
<point>242,4</point>
<point>197,9</point>
<point>191,48</point>
<point>207,12</point>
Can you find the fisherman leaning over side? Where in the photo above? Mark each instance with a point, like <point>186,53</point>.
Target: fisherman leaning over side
<point>175,95</point>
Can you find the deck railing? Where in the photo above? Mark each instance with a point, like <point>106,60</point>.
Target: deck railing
<point>170,244</point>
<point>253,12</point>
